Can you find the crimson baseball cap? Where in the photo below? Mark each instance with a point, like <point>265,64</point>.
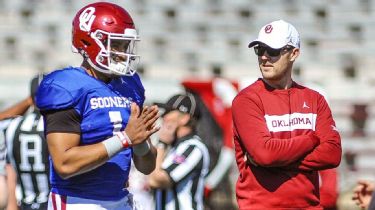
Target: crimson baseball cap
<point>186,103</point>
<point>277,34</point>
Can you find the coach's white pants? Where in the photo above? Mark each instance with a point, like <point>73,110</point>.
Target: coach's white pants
<point>58,202</point>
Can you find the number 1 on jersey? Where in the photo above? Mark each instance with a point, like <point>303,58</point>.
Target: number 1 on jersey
<point>116,120</point>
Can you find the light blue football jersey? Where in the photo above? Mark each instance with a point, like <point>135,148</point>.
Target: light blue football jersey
<point>104,110</point>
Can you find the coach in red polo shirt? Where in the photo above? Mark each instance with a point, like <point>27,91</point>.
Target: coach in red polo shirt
<point>284,132</point>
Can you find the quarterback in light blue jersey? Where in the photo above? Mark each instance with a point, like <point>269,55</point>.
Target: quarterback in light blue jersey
<point>95,122</point>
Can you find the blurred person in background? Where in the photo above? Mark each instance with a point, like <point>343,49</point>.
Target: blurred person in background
<point>28,155</point>
<point>284,133</point>
<point>8,182</point>
<point>216,130</point>
<point>3,178</point>
<point>180,172</point>
<point>363,194</point>
<point>93,122</point>
<point>139,187</point>
<point>18,109</point>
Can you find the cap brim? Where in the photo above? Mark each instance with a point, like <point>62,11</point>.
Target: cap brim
<point>163,106</point>
<point>257,41</point>
<point>253,43</point>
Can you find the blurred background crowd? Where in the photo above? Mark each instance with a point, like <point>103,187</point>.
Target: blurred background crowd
<point>197,40</point>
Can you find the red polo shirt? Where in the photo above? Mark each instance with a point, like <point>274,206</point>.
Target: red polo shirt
<point>282,138</point>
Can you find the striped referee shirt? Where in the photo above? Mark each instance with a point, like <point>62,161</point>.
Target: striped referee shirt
<point>28,153</point>
<point>3,151</point>
<point>187,164</point>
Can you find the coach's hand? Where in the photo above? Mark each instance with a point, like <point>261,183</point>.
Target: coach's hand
<point>141,125</point>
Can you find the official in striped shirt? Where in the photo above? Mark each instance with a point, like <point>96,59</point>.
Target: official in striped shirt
<point>180,172</point>
<point>3,185</point>
<point>28,154</point>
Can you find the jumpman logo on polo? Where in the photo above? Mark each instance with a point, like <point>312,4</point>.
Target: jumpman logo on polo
<point>305,105</point>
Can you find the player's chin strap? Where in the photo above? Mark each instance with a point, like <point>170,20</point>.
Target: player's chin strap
<point>120,141</point>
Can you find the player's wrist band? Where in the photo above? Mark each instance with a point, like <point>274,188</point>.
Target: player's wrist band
<point>116,143</point>
<point>125,140</point>
<point>113,145</point>
<point>141,149</point>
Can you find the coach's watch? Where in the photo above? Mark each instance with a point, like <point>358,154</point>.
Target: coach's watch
<point>161,144</point>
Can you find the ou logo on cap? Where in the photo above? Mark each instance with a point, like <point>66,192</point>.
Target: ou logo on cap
<point>268,29</point>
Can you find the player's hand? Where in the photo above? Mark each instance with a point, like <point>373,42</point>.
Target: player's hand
<point>362,193</point>
<point>141,125</point>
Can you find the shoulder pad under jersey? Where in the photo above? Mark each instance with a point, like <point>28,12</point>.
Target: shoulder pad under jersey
<point>64,88</point>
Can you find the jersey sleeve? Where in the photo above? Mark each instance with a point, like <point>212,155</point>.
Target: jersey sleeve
<point>251,131</point>
<point>52,96</point>
<point>62,121</point>
<point>183,163</point>
<point>328,153</point>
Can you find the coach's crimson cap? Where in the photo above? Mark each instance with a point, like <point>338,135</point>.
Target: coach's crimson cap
<point>186,103</point>
<point>277,34</point>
